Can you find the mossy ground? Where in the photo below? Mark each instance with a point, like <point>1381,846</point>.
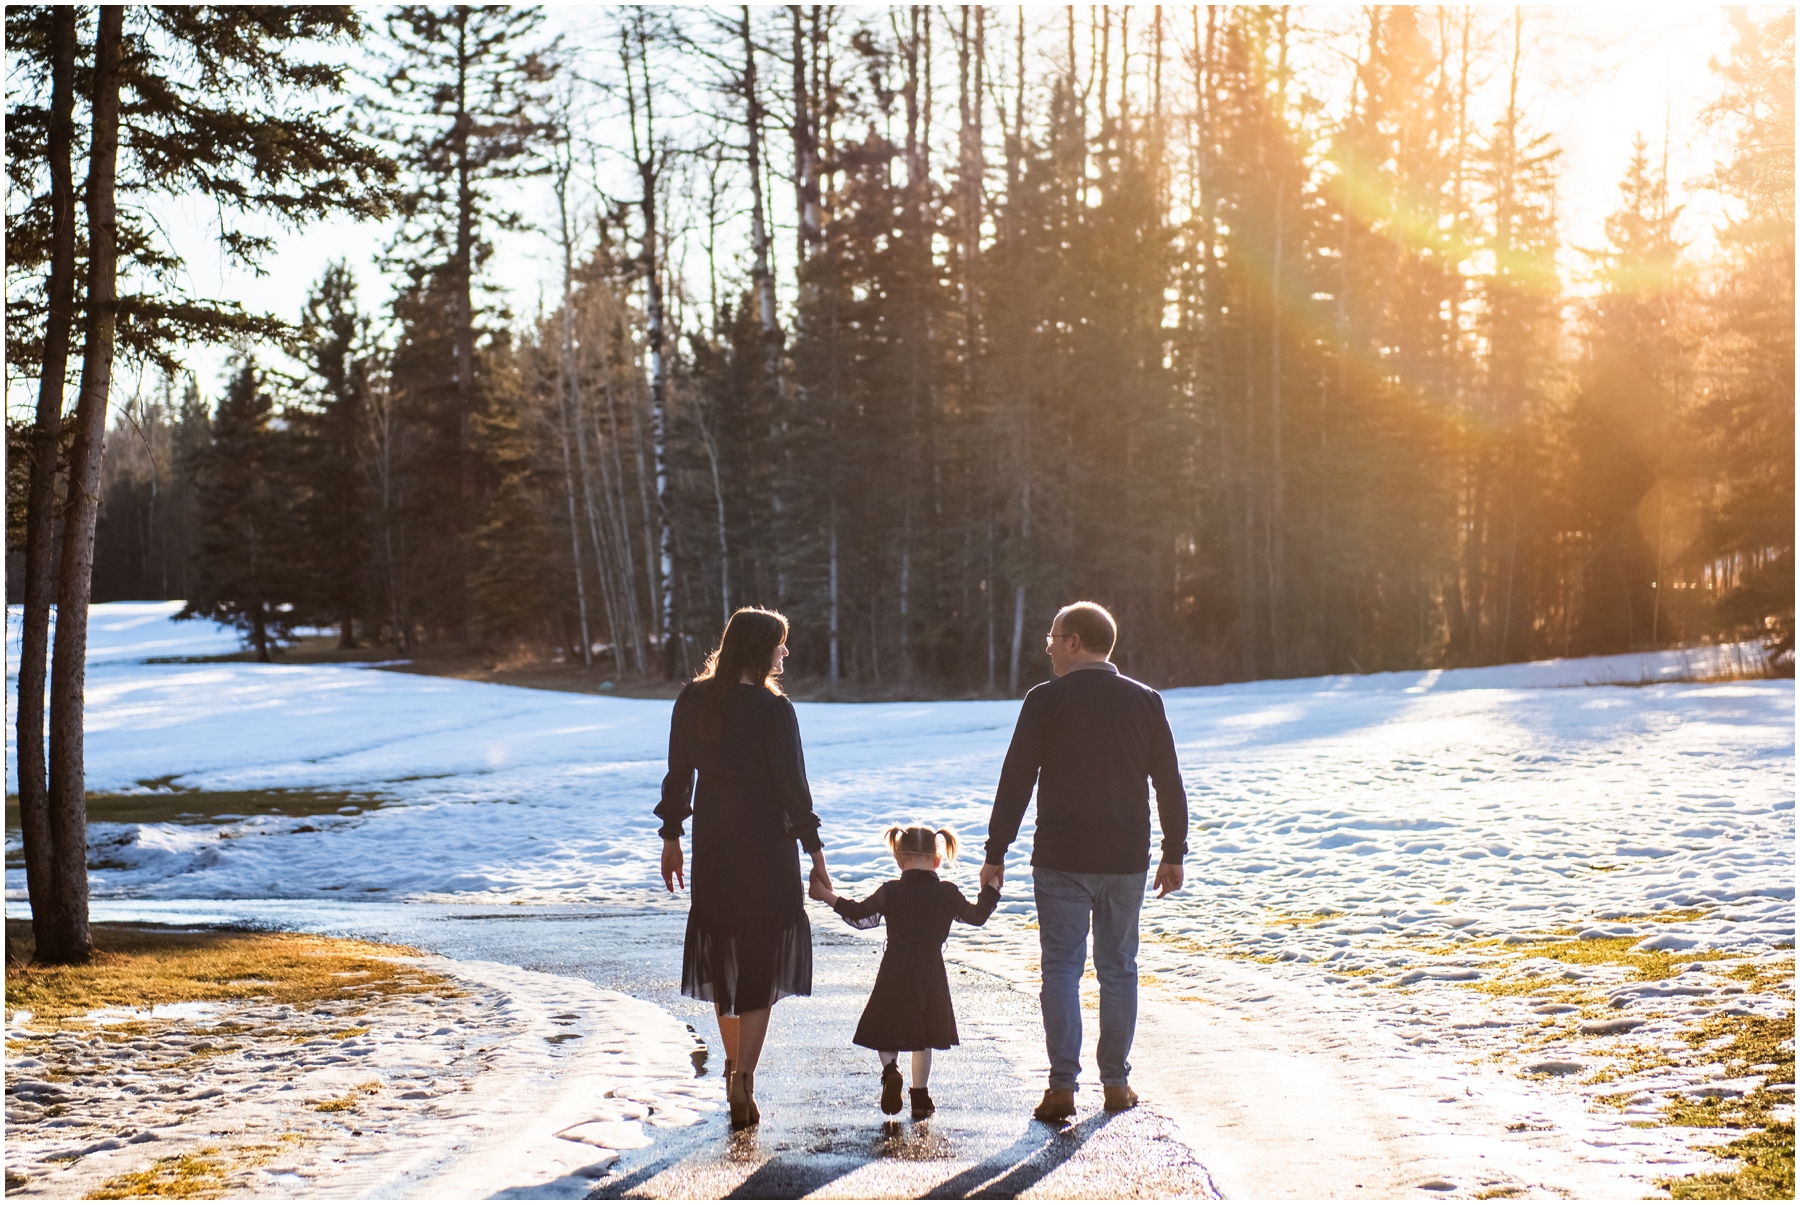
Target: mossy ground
<point>140,966</point>
<point>1765,1171</point>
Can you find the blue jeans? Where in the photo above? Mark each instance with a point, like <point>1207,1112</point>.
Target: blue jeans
<point>1066,903</point>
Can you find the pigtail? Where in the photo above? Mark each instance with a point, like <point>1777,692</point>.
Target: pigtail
<point>892,838</point>
<point>948,837</point>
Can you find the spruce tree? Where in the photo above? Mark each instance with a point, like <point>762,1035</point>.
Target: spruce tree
<point>329,442</point>
<point>248,529</point>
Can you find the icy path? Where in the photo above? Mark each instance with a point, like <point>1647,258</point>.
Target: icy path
<point>1365,848</point>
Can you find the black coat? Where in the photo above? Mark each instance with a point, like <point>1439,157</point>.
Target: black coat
<point>910,1007</point>
<point>1088,740</point>
<point>748,940</point>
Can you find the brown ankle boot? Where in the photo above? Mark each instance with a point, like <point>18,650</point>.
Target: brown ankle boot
<point>1120,1097</point>
<point>1057,1106</point>
<point>740,1092</point>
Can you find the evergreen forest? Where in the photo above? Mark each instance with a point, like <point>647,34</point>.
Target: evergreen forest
<point>913,323</point>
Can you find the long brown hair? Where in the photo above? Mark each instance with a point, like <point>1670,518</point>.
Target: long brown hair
<point>747,649</point>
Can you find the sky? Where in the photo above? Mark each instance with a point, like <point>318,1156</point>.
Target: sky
<point>1598,76</point>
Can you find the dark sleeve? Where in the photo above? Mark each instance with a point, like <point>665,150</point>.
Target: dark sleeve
<point>787,766</point>
<point>861,914</point>
<point>1018,776</point>
<point>1171,796</point>
<point>978,912</point>
<point>678,784</point>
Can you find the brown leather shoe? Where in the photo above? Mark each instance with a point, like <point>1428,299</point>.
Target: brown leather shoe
<point>1120,1098</point>
<point>1058,1105</point>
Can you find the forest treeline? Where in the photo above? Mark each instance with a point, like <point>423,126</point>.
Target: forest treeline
<point>1278,364</point>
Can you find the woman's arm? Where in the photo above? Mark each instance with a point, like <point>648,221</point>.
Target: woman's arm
<point>787,767</point>
<point>677,791</point>
<point>978,912</point>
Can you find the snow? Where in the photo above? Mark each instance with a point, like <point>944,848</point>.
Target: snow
<point>133,631</point>
<point>523,1085</point>
<point>1377,840</point>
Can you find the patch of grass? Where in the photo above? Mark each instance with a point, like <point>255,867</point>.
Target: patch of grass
<point>1305,918</point>
<point>174,1178</point>
<point>1754,1040</point>
<point>138,966</point>
<point>1766,1172</point>
<point>342,1104</point>
<point>1668,916</point>
<point>1614,951</point>
<point>162,804</point>
<point>353,1032</point>
<point>1763,977</point>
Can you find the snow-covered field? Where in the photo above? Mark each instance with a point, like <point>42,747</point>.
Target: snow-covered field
<point>1403,843</point>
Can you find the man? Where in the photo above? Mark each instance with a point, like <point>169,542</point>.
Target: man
<point>1088,739</point>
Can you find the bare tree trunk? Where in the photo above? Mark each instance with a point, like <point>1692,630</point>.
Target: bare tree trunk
<point>712,457</point>
<point>833,541</point>
<point>381,430</point>
<point>1018,636</point>
<point>562,433</point>
<point>565,397</point>
<point>808,219</point>
<point>620,508</point>
<point>649,169</point>
<point>40,512</point>
<point>463,269</point>
<point>68,897</point>
<point>762,275</point>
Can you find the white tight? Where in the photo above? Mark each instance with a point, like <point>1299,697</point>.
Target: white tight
<point>921,1061</point>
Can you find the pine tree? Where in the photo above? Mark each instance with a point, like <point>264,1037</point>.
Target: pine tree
<point>248,527</point>
<point>465,82</point>
<point>1628,482</point>
<point>1747,423</point>
<point>329,438</point>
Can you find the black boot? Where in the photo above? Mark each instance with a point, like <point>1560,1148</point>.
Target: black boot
<point>922,1107</point>
<point>741,1095</point>
<point>890,1088</point>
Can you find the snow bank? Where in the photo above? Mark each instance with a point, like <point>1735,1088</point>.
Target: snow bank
<point>133,631</point>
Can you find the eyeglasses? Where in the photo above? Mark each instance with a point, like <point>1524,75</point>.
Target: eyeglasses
<point>1049,636</point>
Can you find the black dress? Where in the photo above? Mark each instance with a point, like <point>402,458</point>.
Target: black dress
<point>748,942</point>
<point>910,1007</point>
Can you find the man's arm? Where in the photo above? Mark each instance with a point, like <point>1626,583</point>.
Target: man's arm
<point>1018,776</point>
<point>1171,800</point>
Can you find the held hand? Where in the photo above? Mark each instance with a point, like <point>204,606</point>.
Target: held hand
<point>992,875</point>
<point>820,891</point>
<point>671,866</point>
<point>1169,877</point>
<point>821,877</point>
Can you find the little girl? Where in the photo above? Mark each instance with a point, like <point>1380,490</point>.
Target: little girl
<point>910,1006</point>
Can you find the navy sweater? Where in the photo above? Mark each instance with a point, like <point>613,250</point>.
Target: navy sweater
<point>1088,741</point>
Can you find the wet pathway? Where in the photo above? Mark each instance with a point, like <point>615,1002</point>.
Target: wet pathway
<point>822,1134</point>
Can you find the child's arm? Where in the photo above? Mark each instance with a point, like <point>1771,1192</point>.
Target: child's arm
<point>978,912</point>
<point>860,914</point>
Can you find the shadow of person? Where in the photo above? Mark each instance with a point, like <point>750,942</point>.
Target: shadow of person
<point>1036,1153</point>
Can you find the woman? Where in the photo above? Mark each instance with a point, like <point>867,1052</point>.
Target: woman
<point>748,942</point>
